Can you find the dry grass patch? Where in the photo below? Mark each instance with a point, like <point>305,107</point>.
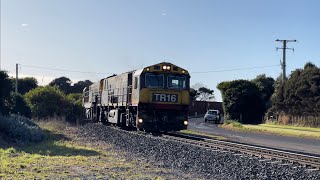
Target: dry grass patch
<point>60,156</point>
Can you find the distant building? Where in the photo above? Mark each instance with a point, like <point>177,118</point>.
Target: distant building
<point>201,107</point>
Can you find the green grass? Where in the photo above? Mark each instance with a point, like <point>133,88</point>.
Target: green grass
<point>60,156</point>
<point>285,130</point>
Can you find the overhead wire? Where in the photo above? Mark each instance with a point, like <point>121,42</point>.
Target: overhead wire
<point>197,72</point>
<point>237,69</point>
<point>65,70</point>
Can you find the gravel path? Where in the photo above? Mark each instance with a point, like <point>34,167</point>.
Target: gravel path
<point>194,160</point>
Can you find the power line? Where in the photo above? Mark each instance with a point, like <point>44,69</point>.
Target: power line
<point>238,69</point>
<point>64,70</point>
<point>199,72</point>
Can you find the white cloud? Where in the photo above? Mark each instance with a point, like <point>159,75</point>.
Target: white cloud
<point>164,13</point>
<point>24,25</point>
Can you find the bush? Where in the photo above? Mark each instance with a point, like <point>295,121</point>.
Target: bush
<point>46,102</point>
<point>50,101</point>
<point>18,105</point>
<point>20,129</point>
<point>75,109</point>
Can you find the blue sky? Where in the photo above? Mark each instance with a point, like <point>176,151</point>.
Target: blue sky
<point>117,36</point>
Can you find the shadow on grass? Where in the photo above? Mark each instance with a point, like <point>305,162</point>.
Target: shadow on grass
<point>57,145</point>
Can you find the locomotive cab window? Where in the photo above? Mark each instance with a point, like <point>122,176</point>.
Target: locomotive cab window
<point>135,82</point>
<point>154,80</point>
<point>176,82</point>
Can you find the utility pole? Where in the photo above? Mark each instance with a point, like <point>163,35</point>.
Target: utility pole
<point>283,64</point>
<point>17,78</point>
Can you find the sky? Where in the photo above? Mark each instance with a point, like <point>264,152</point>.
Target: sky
<point>115,36</point>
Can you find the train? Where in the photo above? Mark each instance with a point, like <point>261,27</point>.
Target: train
<point>154,98</point>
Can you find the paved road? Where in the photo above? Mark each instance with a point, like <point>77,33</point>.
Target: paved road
<point>281,142</point>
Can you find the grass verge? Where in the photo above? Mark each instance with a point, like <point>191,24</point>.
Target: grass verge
<point>62,156</point>
<point>284,130</point>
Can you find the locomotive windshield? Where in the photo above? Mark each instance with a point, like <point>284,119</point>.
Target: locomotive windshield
<point>154,81</point>
<point>176,82</point>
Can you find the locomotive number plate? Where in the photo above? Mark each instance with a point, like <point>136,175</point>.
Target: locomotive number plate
<point>159,97</point>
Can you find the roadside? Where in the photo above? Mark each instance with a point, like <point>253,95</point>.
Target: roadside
<point>66,154</point>
<point>306,145</point>
<point>284,130</point>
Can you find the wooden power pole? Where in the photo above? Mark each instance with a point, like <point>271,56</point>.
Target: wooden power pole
<point>283,64</point>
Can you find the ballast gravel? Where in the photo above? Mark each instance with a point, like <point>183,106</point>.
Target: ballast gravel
<point>190,159</point>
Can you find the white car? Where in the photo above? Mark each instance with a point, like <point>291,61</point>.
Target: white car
<point>212,115</point>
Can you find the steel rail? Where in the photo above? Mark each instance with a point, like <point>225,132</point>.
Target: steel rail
<point>307,160</point>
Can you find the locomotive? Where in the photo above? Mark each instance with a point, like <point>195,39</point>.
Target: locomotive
<point>155,98</point>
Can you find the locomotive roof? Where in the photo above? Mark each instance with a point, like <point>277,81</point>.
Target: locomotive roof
<point>152,69</point>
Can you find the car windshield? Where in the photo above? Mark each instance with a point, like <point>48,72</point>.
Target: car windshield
<point>154,80</point>
<point>212,112</point>
<point>176,82</point>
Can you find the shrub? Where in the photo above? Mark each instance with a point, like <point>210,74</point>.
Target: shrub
<point>20,129</point>
<point>18,105</point>
<point>46,102</point>
<point>75,108</point>
<point>50,101</point>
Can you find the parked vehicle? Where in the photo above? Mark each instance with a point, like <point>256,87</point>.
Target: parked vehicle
<point>212,115</point>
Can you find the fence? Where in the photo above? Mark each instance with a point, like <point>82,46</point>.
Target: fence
<point>199,108</point>
<point>310,121</point>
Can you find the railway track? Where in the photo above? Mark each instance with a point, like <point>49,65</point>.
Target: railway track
<point>310,161</point>
<point>271,155</point>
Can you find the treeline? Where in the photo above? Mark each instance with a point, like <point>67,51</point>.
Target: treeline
<point>297,101</point>
<point>58,99</point>
<point>248,101</point>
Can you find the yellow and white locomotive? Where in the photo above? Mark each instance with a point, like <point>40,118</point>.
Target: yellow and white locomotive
<point>155,98</point>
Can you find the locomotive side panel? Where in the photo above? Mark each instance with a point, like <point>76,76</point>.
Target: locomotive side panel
<point>116,91</point>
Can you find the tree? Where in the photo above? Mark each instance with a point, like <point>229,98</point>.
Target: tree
<point>80,85</point>
<point>63,83</point>
<point>266,87</point>
<point>300,94</point>
<point>193,94</point>
<point>302,91</point>
<point>242,101</point>
<point>205,94</point>
<point>25,84</point>
<point>4,91</point>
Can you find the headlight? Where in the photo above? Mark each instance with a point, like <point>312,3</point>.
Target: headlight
<point>164,67</point>
<point>185,122</point>
<point>140,120</point>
